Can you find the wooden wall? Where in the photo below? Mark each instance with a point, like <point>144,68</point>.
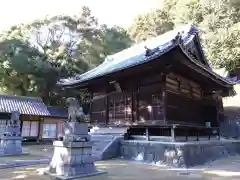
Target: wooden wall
<point>186,104</point>
<point>153,100</point>
<point>139,102</point>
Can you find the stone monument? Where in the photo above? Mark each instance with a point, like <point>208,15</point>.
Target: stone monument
<point>11,140</point>
<point>72,156</point>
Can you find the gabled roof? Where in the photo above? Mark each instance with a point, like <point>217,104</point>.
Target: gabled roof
<point>23,104</point>
<point>57,111</point>
<point>136,55</point>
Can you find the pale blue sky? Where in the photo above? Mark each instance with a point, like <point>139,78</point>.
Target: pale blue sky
<point>108,11</point>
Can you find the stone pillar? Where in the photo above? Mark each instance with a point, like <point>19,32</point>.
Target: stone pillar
<point>11,145</point>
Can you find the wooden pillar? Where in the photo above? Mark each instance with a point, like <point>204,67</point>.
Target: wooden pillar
<point>164,98</point>
<point>90,108</point>
<point>134,108</point>
<point>218,132</point>
<point>218,105</point>
<point>107,109</point>
<point>137,102</point>
<point>21,123</point>
<point>197,134</point>
<point>107,104</point>
<point>39,129</point>
<point>209,133</point>
<point>186,132</point>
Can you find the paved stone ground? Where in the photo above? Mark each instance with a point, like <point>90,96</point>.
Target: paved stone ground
<point>121,170</point>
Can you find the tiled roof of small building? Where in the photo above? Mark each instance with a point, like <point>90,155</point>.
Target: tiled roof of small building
<point>23,104</point>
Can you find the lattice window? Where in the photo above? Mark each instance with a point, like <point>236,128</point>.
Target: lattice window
<point>158,107</point>
<point>120,109</point>
<point>150,107</point>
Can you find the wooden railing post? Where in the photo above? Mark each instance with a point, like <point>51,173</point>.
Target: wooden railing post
<point>197,134</point>
<point>218,131</point>
<point>173,133</point>
<point>147,134</point>
<point>186,134</point>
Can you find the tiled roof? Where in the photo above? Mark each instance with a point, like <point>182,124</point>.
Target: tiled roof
<point>57,111</point>
<point>134,55</point>
<point>23,104</point>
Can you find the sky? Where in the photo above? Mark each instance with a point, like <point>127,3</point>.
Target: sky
<point>111,12</point>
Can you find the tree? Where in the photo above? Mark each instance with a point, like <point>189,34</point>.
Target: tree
<point>218,21</point>
<point>34,56</point>
<point>224,48</point>
<point>150,24</point>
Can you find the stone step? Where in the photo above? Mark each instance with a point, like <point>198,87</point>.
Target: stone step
<point>100,142</point>
<point>102,137</point>
<point>108,130</point>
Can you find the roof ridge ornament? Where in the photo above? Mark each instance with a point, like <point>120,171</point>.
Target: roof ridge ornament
<point>178,39</point>
<point>150,52</point>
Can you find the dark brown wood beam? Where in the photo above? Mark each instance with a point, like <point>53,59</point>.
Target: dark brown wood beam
<point>134,107</point>
<point>137,102</point>
<point>90,108</point>
<point>164,98</point>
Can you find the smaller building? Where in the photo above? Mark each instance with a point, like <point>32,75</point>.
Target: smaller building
<point>38,122</point>
<point>32,109</point>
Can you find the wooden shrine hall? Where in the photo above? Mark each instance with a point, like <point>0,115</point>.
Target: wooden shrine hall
<point>162,86</point>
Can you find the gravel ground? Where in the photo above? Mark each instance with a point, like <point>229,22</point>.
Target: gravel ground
<point>122,170</point>
<point>222,169</point>
<point>39,150</point>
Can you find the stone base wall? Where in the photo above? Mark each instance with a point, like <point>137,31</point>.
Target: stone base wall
<point>112,150</point>
<point>178,154</point>
<point>230,128</point>
<point>11,146</point>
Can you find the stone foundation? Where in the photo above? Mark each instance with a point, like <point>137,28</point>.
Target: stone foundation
<point>11,145</point>
<point>178,154</point>
<point>72,160</point>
